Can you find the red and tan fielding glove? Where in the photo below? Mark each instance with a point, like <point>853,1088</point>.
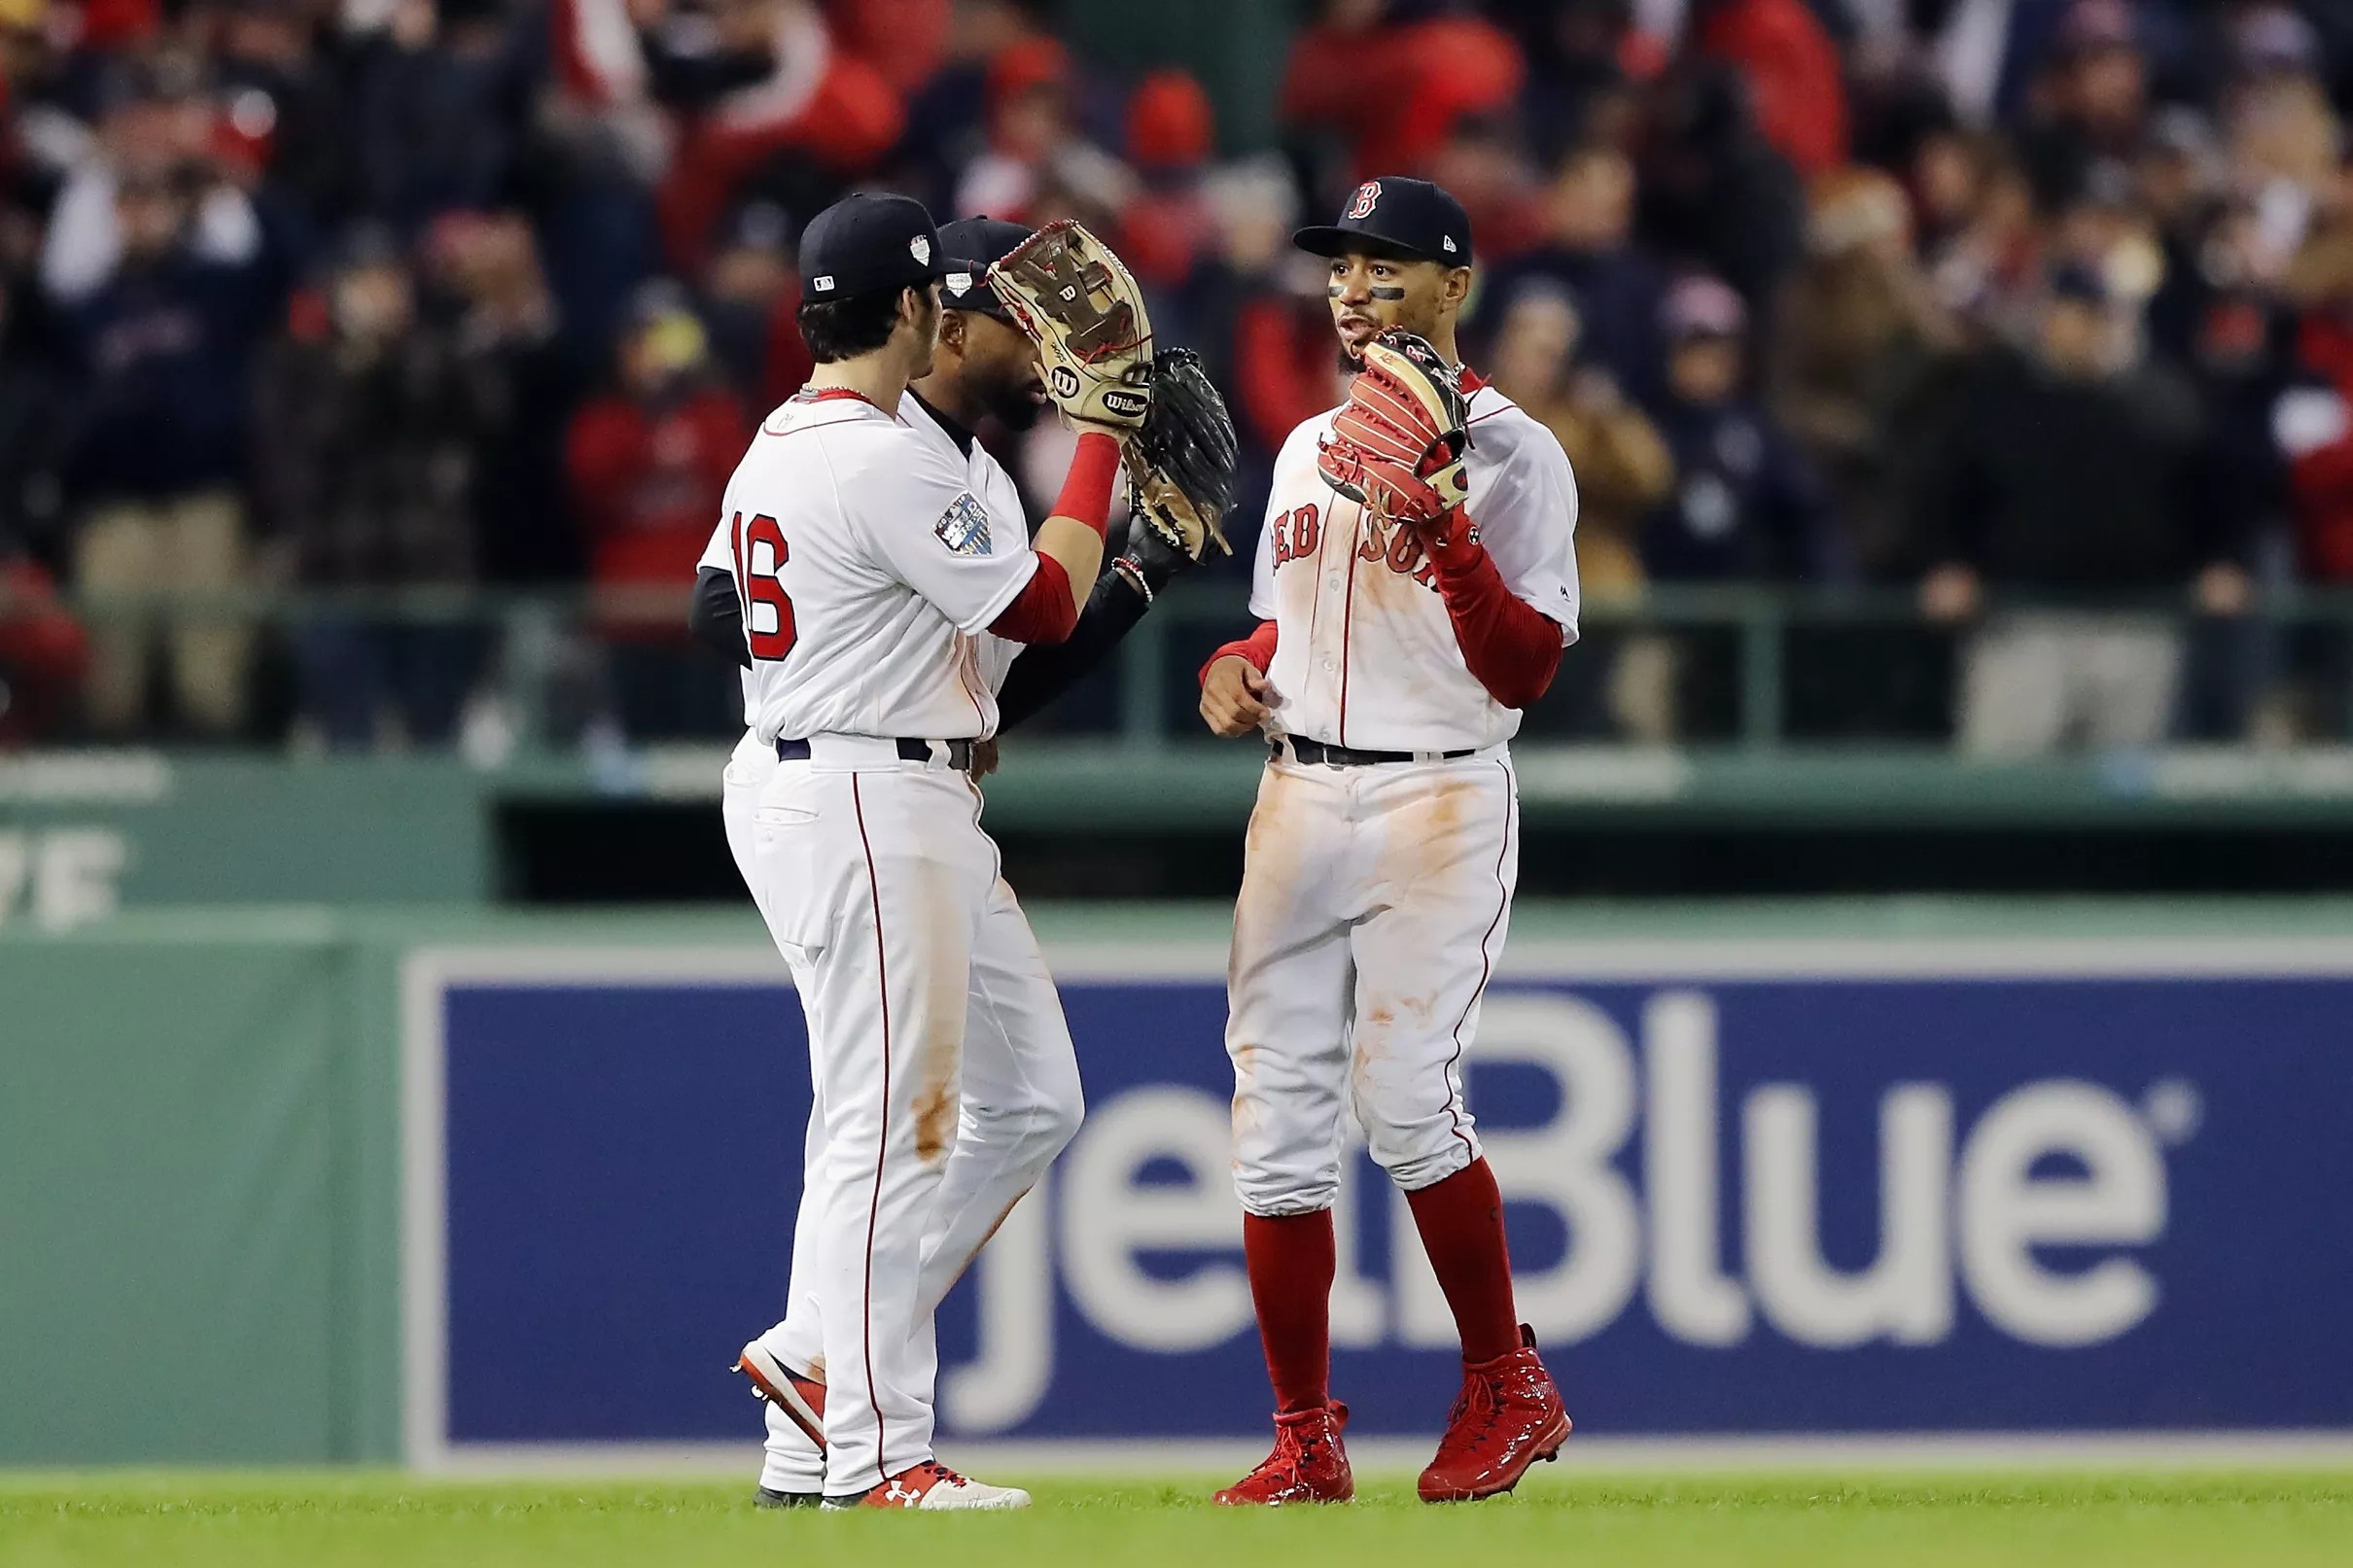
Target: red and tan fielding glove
<point>1396,444</point>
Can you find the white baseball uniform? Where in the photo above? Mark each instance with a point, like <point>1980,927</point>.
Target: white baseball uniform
<point>1375,897</point>
<point>945,1079</point>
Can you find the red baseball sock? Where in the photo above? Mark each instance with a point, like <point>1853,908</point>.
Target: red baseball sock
<point>1291,1259</point>
<point>1461,1224</point>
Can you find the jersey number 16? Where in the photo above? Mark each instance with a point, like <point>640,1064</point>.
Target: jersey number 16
<point>756,583</point>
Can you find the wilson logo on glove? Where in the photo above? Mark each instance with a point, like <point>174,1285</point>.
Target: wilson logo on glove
<point>1076,299</point>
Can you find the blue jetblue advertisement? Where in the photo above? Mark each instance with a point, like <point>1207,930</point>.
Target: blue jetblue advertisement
<point>1971,1202</point>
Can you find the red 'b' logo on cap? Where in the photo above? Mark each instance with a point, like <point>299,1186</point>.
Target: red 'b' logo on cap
<point>1366,195</point>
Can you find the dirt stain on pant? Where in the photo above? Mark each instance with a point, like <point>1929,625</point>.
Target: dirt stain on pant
<point>938,1091</point>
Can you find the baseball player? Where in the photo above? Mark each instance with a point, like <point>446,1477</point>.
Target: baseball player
<point>1399,637</point>
<point>1020,1088</point>
<point>868,558</point>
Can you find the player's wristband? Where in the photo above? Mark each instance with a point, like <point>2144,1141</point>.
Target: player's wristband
<point>1086,490</point>
<point>1133,572</point>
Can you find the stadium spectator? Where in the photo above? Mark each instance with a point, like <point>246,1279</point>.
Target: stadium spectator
<point>743,83</point>
<point>2075,466</point>
<point>1283,365</point>
<point>1583,56</point>
<point>1589,249</point>
<point>43,651</point>
<point>1038,158</point>
<point>1744,508</point>
<point>1167,232</point>
<point>1714,193</point>
<point>1792,68</point>
<point>158,356</point>
<point>1857,338</point>
<point>156,128</point>
<point>366,434</point>
<point>485,287</point>
<point>1623,469</point>
<point>31,430</point>
<point>427,87</point>
<point>2091,103</point>
<point>1623,466</point>
<point>1393,89</point>
<point>648,464</point>
<point>748,297</point>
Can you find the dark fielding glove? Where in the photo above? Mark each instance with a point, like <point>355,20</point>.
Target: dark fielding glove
<point>1181,460</point>
<point>1397,442</point>
<point>1148,562</point>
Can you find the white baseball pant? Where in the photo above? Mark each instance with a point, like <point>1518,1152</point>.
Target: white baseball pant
<point>1015,1095</point>
<point>1375,901</point>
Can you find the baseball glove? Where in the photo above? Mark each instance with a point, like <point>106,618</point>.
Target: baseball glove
<point>1397,442</point>
<point>1180,461</point>
<point>1073,296</point>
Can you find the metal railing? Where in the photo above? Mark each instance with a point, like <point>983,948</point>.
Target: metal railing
<point>536,643</point>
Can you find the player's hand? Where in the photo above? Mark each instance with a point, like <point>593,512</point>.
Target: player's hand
<point>1235,698</point>
<point>1949,594</point>
<point>2224,589</point>
<point>1155,559</point>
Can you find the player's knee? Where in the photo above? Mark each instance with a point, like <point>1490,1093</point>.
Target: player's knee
<point>1422,1153</point>
<point>1061,1109</point>
<point>1042,1124</point>
<point>1273,1191</point>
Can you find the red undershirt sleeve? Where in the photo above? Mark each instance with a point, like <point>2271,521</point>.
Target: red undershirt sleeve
<point>1045,610</point>
<point>1512,648</point>
<point>1258,647</point>
<point>1042,611</point>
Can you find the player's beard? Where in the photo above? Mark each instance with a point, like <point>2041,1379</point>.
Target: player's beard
<point>1010,400</point>
<point>1349,363</point>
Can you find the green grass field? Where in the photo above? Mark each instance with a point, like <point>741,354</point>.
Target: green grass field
<point>2276,1519</point>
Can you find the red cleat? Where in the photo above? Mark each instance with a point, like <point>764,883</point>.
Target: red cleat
<point>797,1394</point>
<point>1308,1465</point>
<point>1508,1416</point>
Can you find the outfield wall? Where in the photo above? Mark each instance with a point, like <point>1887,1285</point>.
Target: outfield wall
<point>476,1189</point>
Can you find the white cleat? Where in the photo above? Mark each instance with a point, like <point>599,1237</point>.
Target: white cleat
<point>933,1486</point>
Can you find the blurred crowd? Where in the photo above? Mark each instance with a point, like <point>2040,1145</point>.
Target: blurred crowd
<point>2038,312</point>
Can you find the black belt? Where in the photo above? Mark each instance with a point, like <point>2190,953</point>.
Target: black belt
<point>1343,756</point>
<point>960,752</point>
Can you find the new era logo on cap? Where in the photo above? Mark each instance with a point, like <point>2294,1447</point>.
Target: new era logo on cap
<point>1450,247</point>
<point>823,283</point>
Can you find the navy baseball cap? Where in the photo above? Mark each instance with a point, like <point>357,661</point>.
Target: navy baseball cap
<point>867,244</point>
<point>1394,216</point>
<point>973,246</point>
